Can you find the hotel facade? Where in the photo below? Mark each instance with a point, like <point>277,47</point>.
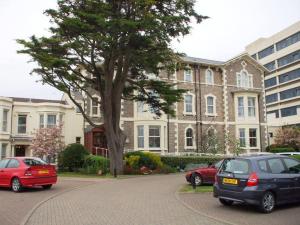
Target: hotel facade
<point>280,54</point>
<point>225,100</point>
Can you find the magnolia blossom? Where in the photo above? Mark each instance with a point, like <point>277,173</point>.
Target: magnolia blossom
<point>47,142</point>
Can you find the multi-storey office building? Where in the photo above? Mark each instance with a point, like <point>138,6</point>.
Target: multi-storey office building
<point>21,117</point>
<point>225,99</point>
<point>280,54</point>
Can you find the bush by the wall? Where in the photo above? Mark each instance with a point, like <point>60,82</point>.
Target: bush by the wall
<point>277,149</point>
<point>147,159</point>
<point>72,157</point>
<point>296,157</point>
<point>180,162</point>
<point>95,164</point>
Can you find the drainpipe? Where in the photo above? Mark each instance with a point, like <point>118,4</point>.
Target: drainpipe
<point>11,126</point>
<point>200,109</point>
<point>196,93</point>
<point>259,117</point>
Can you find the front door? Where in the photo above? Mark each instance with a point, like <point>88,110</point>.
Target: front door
<point>20,150</point>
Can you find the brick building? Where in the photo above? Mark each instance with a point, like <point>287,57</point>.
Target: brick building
<point>224,99</point>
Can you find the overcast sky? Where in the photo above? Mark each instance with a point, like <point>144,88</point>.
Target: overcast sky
<point>233,24</point>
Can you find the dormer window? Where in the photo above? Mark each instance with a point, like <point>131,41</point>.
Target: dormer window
<point>244,79</point>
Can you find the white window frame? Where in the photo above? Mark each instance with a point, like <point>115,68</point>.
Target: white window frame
<point>186,138</point>
<point>192,104</point>
<point>253,137</point>
<point>160,142</point>
<point>207,79</point>
<point>51,125</point>
<point>41,122</point>
<point>93,106</point>
<point>2,155</point>
<point>18,125</point>
<point>241,107</point>
<point>244,79</point>
<point>5,122</point>
<point>244,138</point>
<point>140,136</point>
<point>214,105</point>
<point>188,76</point>
<point>252,107</point>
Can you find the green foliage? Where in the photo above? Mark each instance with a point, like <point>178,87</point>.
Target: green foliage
<point>147,159</point>
<point>296,157</point>
<point>73,157</point>
<point>93,164</point>
<point>165,169</point>
<point>133,161</point>
<point>279,148</point>
<point>181,162</point>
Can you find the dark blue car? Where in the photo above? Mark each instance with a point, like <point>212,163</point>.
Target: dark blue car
<point>264,181</point>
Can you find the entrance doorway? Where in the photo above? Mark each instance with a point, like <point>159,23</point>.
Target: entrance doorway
<point>20,150</point>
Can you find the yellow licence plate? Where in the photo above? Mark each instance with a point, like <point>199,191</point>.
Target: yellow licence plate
<point>43,171</point>
<point>229,181</point>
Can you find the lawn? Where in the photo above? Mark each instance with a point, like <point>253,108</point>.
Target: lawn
<point>82,175</point>
<point>187,188</point>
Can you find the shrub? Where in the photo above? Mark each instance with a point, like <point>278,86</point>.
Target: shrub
<point>165,169</point>
<point>147,159</point>
<point>279,148</point>
<point>93,164</point>
<point>133,161</point>
<point>73,157</point>
<point>296,157</point>
<point>180,162</point>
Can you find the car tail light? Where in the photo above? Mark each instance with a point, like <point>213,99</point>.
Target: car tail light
<point>252,180</point>
<point>28,172</point>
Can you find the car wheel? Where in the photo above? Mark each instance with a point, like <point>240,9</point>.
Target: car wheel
<point>226,202</point>
<point>47,186</point>
<point>198,180</point>
<point>267,203</point>
<point>16,185</point>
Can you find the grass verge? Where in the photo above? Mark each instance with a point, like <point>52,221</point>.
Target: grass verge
<point>82,175</point>
<point>187,188</point>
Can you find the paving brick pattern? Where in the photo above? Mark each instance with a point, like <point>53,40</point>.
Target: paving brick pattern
<point>241,214</point>
<point>15,206</point>
<point>146,200</point>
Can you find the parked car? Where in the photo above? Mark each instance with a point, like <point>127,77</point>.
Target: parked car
<point>19,172</point>
<point>264,181</point>
<point>203,175</point>
<point>288,153</point>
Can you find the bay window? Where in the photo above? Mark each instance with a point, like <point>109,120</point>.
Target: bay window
<point>154,136</point>
<point>241,112</point>
<point>251,106</point>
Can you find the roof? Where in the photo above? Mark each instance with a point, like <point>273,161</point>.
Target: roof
<point>36,100</point>
<point>201,61</point>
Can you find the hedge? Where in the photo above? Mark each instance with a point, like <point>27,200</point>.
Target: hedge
<point>296,156</point>
<point>282,149</point>
<point>181,161</point>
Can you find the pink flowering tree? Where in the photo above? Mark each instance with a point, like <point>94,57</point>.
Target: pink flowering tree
<point>47,142</point>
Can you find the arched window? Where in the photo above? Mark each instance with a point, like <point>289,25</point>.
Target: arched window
<point>244,79</point>
<point>189,137</point>
<point>209,77</point>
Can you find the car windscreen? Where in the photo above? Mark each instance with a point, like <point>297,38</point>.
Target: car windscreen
<point>34,162</point>
<point>236,166</point>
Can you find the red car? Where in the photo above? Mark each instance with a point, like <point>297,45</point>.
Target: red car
<point>19,172</point>
<point>204,175</point>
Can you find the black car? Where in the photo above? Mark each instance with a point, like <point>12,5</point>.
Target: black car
<point>264,181</point>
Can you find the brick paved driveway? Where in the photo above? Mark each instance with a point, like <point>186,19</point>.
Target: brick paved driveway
<point>241,214</point>
<point>15,206</point>
<point>135,201</point>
